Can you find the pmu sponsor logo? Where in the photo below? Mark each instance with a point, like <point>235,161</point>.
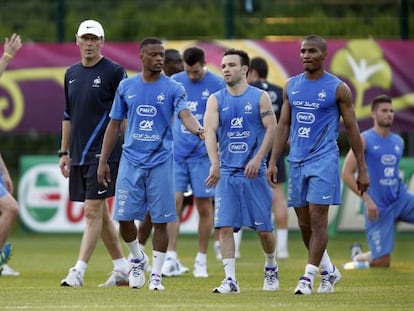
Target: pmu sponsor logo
<point>305,104</point>
<point>305,117</point>
<point>236,122</point>
<point>304,132</point>
<point>146,111</point>
<point>388,159</point>
<point>238,147</point>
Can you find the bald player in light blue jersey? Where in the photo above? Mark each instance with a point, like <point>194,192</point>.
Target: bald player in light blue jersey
<point>191,162</point>
<point>145,181</point>
<point>240,119</point>
<point>313,102</point>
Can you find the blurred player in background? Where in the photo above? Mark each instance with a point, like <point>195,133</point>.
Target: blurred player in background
<point>387,200</point>
<point>191,162</point>
<point>257,77</point>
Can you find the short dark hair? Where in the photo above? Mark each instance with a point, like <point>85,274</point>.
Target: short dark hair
<point>379,100</point>
<point>170,53</point>
<point>194,55</point>
<point>321,42</point>
<point>148,41</point>
<point>244,57</point>
<point>260,65</point>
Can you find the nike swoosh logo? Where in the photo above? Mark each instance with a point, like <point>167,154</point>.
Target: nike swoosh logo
<point>71,81</point>
<point>324,197</point>
<point>131,96</point>
<point>258,223</point>
<point>225,108</point>
<point>102,191</point>
<point>167,215</point>
<point>295,92</point>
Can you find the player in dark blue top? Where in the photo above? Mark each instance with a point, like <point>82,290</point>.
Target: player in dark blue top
<point>257,77</point>
<point>313,102</point>
<point>90,87</point>
<point>387,200</point>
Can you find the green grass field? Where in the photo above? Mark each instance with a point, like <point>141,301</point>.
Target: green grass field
<point>43,260</point>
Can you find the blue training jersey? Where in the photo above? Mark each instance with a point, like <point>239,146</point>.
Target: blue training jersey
<point>383,155</point>
<point>314,116</point>
<point>149,108</point>
<point>186,145</point>
<point>240,131</point>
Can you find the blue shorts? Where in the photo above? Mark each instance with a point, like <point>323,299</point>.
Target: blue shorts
<point>380,233</point>
<point>316,181</point>
<point>139,190</point>
<point>243,202</point>
<point>193,173</point>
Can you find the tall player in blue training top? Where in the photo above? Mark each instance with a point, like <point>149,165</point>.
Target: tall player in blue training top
<point>191,161</point>
<point>145,181</point>
<point>313,102</point>
<point>387,199</point>
<point>240,119</point>
<point>90,87</point>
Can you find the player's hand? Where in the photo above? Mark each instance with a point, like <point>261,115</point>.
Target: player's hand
<point>103,174</point>
<point>64,165</point>
<point>363,182</point>
<point>252,168</point>
<point>213,176</point>
<point>271,175</point>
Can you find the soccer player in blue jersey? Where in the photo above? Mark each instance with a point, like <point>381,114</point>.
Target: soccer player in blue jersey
<point>240,119</point>
<point>191,161</point>
<point>8,204</point>
<point>173,63</point>
<point>257,77</point>
<point>313,102</point>
<point>387,200</point>
<point>90,87</point>
<point>145,180</point>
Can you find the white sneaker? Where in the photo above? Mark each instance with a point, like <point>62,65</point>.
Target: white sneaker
<point>137,272</point>
<point>155,282</point>
<point>200,270</point>
<point>183,269</point>
<point>271,279</point>
<point>171,267</point>
<point>116,278</point>
<point>148,267</point>
<point>329,280</point>
<point>73,279</point>
<point>304,286</point>
<point>228,286</point>
<point>8,271</point>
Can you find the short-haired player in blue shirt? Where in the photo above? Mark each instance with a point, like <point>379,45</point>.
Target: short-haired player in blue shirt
<point>191,161</point>
<point>313,102</point>
<point>145,180</point>
<point>387,199</point>
<point>240,119</point>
